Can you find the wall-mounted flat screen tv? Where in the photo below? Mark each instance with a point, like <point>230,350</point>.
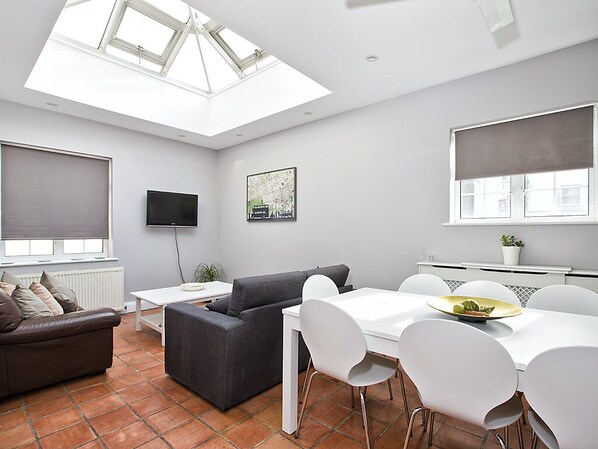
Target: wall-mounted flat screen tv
<point>171,209</point>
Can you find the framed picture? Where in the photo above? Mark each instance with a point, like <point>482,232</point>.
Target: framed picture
<point>272,196</point>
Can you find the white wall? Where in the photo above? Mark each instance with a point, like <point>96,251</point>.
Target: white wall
<point>373,183</point>
<point>139,162</point>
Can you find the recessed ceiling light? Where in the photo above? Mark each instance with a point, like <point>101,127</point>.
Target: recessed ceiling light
<point>371,58</point>
<point>54,105</point>
<point>307,113</point>
<point>239,135</point>
<point>182,136</point>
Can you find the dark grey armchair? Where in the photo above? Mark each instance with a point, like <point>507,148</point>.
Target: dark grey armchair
<point>234,351</point>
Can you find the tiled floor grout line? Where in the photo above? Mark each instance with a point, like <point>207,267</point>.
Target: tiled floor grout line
<point>85,418</point>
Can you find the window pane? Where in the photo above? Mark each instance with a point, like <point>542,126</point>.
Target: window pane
<point>94,245</point>
<point>133,59</point>
<point>219,72</point>
<point>74,246</point>
<point>139,29</point>
<point>174,8</point>
<point>187,66</point>
<point>85,22</point>
<point>16,247</point>
<point>241,47</point>
<point>486,198</point>
<point>557,194</point>
<point>41,247</point>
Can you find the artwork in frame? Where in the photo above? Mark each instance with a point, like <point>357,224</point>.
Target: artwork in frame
<point>272,196</point>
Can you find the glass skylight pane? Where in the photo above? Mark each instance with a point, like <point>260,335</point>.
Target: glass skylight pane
<point>85,22</point>
<point>242,47</point>
<point>134,59</point>
<point>174,8</point>
<point>219,72</point>
<point>139,29</point>
<point>187,66</point>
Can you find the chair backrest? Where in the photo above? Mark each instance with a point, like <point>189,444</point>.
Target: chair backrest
<point>319,286</point>
<point>335,341</point>
<point>425,284</point>
<point>560,386</point>
<point>488,289</point>
<point>565,298</point>
<point>458,370</point>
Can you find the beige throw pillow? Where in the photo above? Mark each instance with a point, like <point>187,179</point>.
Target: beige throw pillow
<point>30,304</point>
<point>46,297</point>
<point>8,288</point>
<point>11,279</point>
<point>64,295</point>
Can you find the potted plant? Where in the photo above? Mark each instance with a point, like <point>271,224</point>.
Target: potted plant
<point>511,247</point>
<point>208,273</point>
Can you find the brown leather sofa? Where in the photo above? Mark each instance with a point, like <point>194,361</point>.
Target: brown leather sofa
<point>45,351</point>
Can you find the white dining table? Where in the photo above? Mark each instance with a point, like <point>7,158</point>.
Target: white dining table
<point>384,314</point>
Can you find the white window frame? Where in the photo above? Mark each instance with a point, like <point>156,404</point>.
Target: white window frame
<point>517,189</point>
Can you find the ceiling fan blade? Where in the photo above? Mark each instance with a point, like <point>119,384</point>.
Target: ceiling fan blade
<point>497,13</point>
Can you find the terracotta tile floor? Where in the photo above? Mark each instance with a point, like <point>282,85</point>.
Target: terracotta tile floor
<point>136,405</point>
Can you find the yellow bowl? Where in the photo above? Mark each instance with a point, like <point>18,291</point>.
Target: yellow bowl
<point>501,309</point>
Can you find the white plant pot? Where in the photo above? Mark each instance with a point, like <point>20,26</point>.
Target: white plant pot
<point>511,254</point>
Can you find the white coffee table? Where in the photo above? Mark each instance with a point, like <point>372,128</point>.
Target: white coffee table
<point>161,297</point>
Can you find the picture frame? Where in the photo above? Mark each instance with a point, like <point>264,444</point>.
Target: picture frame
<point>272,195</point>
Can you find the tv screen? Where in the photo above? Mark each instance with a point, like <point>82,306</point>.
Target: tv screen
<point>171,209</point>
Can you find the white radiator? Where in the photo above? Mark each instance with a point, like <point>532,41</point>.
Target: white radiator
<point>102,287</point>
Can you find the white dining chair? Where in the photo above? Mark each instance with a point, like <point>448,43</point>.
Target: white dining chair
<point>317,286</point>
<point>560,387</point>
<point>488,289</point>
<point>425,284</point>
<point>565,298</point>
<point>462,372</point>
<point>338,349</point>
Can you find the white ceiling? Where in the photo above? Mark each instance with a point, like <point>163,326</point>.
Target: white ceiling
<point>419,43</point>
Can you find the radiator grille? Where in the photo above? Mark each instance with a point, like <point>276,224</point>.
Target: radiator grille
<point>103,287</point>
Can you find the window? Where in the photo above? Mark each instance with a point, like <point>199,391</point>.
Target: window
<point>546,163</point>
<point>43,216</point>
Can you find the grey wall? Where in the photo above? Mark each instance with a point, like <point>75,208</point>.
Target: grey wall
<point>140,162</point>
<point>373,184</point>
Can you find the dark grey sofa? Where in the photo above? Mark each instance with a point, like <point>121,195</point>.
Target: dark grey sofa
<point>234,351</point>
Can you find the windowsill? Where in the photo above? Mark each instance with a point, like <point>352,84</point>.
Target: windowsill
<point>28,263</point>
<point>521,223</point>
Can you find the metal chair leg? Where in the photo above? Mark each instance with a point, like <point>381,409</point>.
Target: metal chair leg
<point>535,441</point>
<point>305,380</point>
<point>425,420</point>
<point>431,434</point>
<point>507,437</point>
<point>499,438</point>
<point>404,394</point>
<point>365,417</point>
<point>352,396</point>
<point>520,434</point>
<point>389,389</point>
<point>304,404</point>
<point>410,426</point>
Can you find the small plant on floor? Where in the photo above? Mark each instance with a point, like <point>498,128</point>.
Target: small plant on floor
<point>208,273</point>
<point>511,240</point>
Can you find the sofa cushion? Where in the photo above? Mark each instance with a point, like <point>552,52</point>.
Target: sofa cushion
<point>258,291</point>
<point>10,314</point>
<point>30,304</point>
<point>338,273</point>
<point>44,294</point>
<point>220,305</point>
<point>64,295</point>
<point>7,287</point>
<point>10,279</point>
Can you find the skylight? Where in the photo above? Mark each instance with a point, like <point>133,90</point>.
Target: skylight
<point>167,37</point>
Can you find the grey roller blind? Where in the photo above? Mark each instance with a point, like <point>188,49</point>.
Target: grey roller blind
<point>557,141</point>
<point>50,195</point>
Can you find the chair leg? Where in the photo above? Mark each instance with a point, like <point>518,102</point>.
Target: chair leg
<point>520,434</point>
<point>304,404</point>
<point>409,433</point>
<point>404,394</point>
<point>520,394</point>
<point>507,437</point>
<point>425,420</point>
<point>352,396</point>
<point>499,438</point>
<point>365,417</point>
<point>431,434</point>
<point>305,380</point>
<point>389,389</point>
<point>535,441</point>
